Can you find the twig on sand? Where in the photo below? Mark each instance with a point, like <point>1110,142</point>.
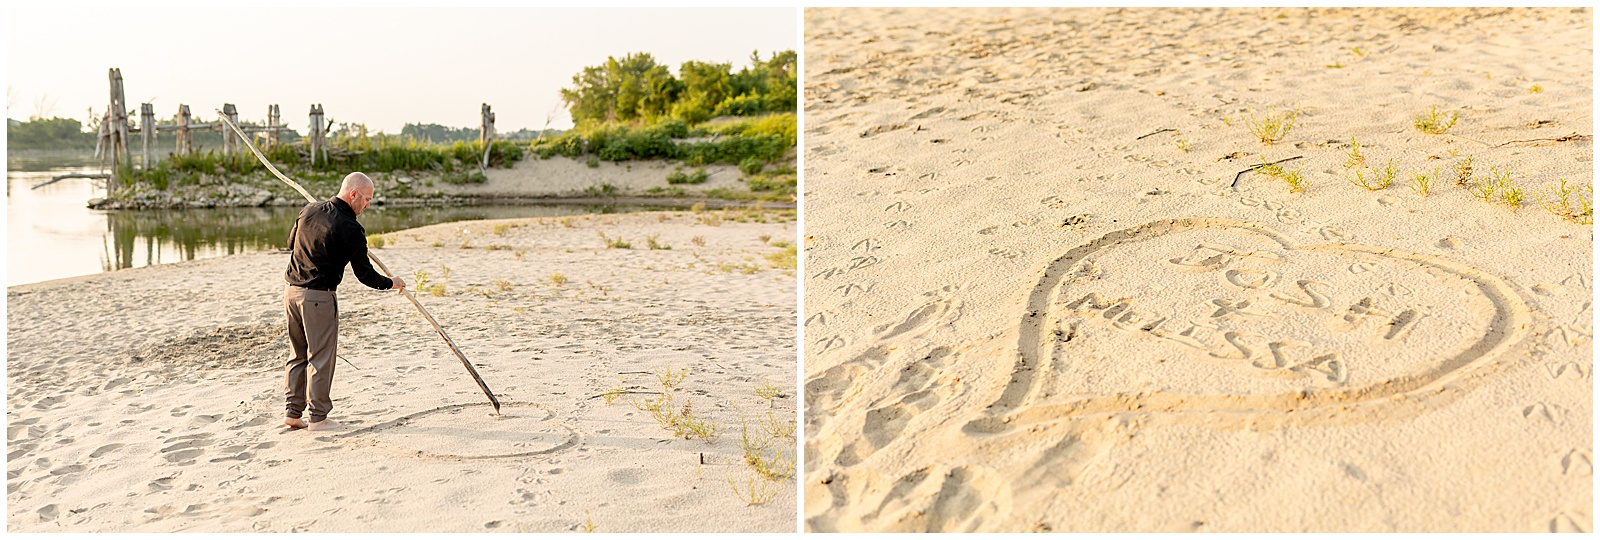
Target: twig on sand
<point>1162,130</point>
<point>604,394</point>
<point>1236,177</point>
<point>635,373</point>
<point>1564,138</point>
<point>1470,139</point>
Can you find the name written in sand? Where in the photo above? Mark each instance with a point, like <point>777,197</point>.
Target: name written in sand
<point>1210,315</point>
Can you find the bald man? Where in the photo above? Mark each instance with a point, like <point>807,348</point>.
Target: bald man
<point>325,237</point>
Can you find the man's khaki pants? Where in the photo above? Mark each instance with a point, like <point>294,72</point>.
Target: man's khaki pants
<point>314,334</point>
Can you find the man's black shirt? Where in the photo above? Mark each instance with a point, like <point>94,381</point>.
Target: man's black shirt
<point>324,238</point>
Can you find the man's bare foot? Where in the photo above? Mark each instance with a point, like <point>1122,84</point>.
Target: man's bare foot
<point>294,423</point>
<point>325,425</point>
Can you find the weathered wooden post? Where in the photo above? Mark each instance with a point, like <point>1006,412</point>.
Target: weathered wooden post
<point>486,134</point>
<point>118,114</point>
<point>230,142</point>
<point>272,123</point>
<point>147,128</point>
<point>185,138</point>
<point>316,133</point>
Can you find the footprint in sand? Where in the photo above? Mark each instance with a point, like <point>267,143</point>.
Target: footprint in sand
<point>104,450</point>
<point>49,512</point>
<point>186,449</point>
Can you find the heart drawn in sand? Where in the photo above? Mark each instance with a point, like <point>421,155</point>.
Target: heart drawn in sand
<point>1216,316</point>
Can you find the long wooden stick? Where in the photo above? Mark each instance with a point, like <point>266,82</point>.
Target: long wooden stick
<point>404,292</point>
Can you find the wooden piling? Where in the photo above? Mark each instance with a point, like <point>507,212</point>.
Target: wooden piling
<point>185,137</point>
<point>272,122</point>
<point>147,129</point>
<point>230,142</point>
<point>317,135</point>
<point>486,135</point>
<point>114,129</point>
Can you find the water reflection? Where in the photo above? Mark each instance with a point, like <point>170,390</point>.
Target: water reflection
<point>51,234</point>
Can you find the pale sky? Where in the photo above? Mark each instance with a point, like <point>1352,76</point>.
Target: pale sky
<point>382,66</point>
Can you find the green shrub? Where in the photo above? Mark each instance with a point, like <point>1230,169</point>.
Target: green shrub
<point>751,166</point>
<point>772,182</point>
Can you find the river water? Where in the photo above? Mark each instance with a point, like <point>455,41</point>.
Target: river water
<point>52,234</point>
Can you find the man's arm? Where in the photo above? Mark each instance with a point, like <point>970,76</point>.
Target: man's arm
<point>368,275</point>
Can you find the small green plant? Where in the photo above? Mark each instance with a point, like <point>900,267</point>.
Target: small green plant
<point>1379,180</point>
<point>519,253</point>
<point>1512,195</point>
<point>698,208</point>
<point>758,490</point>
<point>588,522</point>
<point>602,190</point>
<point>613,243</point>
<point>376,241</point>
<point>1536,89</point>
<point>436,243</point>
<point>698,241</point>
<point>1296,180</point>
<point>502,285</point>
<point>764,238</point>
<point>1271,127</point>
<point>1353,157</point>
<point>593,162</point>
<point>1499,182</point>
<point>1422,183</point>
<point>502,229</point>
<point>778,429</point>
<point>698,177</point>
<point>1182,144</point>
<point>436,289</point>
<point>1464,171</point>
<point>419,279</point>
<point>785,259</point>
<point>711,219</point>
<point>689,426</point>
<point>1484,189</point>
<point>558,279</point>
<point>768,391</point>
<point>1335,65</point>
<point>1433,121</point>
<point>1566,202</point>
<point>612,394</point>
<point>654,242</point>
<point>670,379</point>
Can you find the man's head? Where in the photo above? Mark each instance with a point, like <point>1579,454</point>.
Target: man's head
<point>356,191</point>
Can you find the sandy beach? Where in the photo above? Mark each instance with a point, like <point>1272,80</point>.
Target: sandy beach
<point>150,400</point>
<point>1050,288</point>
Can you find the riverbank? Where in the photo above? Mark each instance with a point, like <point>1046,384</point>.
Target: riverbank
<point>148,400</point>
<point>530,179</point>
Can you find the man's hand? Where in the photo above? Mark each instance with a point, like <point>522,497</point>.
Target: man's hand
<point>399,284</point>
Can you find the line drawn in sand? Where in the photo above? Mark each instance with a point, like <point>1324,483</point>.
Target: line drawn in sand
<point>456,432</point>
<point>1024,401</point>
